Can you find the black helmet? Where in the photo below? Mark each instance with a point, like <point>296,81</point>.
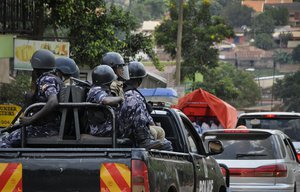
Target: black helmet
<point>43,59</point>
<point>103,75</point>
<point>67,66</point>
<point>137,70</point>
<point>115,60</point>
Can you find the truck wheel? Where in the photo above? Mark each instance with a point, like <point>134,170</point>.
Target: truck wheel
<point>172,189</point>
<point>222,189</point>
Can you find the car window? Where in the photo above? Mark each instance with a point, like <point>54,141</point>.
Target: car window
<point>281,145</point>
<point>247,147</point>
<point>290,151</point>
<point>290,126</point>
<point>191,140</point>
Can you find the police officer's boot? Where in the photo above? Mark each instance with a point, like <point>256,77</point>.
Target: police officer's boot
<point>150,144</point>
<point>145,140</point>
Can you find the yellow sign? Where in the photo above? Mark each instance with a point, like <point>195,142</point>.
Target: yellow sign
<point>24,49</point>
<point>7,114</point>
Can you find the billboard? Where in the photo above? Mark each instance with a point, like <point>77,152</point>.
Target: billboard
<point>6,46</point>
<point>23,50</point>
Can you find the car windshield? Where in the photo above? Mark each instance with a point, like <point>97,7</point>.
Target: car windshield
<point>245,148</point>
<point>290,126</point>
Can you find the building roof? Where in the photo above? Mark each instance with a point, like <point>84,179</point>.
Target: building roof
<point>278,1</point>
<point>293,6</point>
<point>258,6</point>
<point>246,53</point>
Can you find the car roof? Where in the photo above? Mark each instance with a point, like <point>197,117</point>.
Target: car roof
<point>269,113</point>
<point>235,131</point>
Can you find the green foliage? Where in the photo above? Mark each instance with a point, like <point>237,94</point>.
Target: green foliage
<point>296,53</point>
<point>264,41</point>
<point>284,38</point>
<point>95,28</point>
<point>145,10</point>
<point>282,57</point>
<point>263,23</point>
<point>279,14</point>
<point>237,15</point>
<point>232,85</point>
<point>14,92</point>
<point>200,32</point>
<point>288,90</point>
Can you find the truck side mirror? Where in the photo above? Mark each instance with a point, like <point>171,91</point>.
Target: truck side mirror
<point>215,147</point>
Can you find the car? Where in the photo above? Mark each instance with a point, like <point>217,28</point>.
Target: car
<point>288,122</point>
<point>259,160</point>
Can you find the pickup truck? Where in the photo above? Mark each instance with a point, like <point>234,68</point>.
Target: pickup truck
<point>76,161</point>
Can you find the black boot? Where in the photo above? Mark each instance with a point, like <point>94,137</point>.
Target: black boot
<point>150,144</point>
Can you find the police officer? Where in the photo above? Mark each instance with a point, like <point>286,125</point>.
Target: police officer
<point>116,62</point>
<point>135,118</point>
<point>44,122</point>
<point>66,68</point>
<point>99,124</point>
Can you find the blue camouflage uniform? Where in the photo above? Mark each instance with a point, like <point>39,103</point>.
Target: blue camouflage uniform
<point>98,122</point>
<point>134,117</point>
<point>47,84</point>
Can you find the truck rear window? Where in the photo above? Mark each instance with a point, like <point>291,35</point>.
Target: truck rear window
<point>290,126</point>
<point>243,147</point>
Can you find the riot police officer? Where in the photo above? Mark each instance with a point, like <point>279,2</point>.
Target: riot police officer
<point>66,68</point>
<point>116,62</point>
<point>99,124</point>
<point>44,122</point>
<point>135,119</point>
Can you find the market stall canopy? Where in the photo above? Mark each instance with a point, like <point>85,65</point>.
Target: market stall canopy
<point>201,103</point>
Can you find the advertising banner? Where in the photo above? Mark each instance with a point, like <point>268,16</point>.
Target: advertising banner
<point>23,50</point>
<point>8,113</point>
<point>6,46</point>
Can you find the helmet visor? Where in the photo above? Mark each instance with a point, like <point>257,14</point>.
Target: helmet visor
<point>123,72</point>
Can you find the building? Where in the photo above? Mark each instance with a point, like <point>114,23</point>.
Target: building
<point>244,57</point>
<point>293,9</point>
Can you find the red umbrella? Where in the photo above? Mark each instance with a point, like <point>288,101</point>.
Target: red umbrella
<point>200,103</point>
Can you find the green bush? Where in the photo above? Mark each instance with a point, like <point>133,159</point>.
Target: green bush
<point>14,92</point>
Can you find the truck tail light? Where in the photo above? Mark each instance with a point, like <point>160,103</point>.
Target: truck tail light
<point>277,170</point>
<point>139,176</point>
<point>298,156</point>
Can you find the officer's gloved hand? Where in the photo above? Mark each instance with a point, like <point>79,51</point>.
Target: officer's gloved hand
<point>26,120</point>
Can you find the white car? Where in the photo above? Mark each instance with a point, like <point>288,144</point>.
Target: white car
<point>287,122</point>
<point>258,160</point>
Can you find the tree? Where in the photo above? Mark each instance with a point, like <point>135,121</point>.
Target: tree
<point>296,53</point>
<point>279,14</point>
<point>237,14</point>
<point>288,90</point>
<point>284,38</point>
<point>282,57</point>
<point>263,23</point>
<point>94,27</point>
<point>232,85</point>
<point>264,41</point>
<point>200,32</point>
<point>14,92</point>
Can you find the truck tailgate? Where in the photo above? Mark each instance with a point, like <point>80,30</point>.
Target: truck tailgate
<point>75,169</point>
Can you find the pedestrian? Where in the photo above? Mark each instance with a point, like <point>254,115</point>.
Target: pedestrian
<point>43,122</point>
<point>116,62</point>
<point>135,118</point>
<point>99,123</point>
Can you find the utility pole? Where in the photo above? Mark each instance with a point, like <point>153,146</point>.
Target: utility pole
<point>179,41</point>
